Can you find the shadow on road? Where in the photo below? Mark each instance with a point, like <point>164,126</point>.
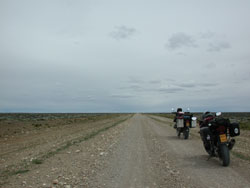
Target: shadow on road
<point>176,138</point>
<point>203,161</point>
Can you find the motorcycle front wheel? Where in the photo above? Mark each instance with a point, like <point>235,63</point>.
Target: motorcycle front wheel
<point>224,155</point>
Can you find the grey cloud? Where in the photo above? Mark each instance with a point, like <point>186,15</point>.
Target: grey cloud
<point>122,32</point>
<point>197,85</point>
<point>192,84</point>
<point>134,84</point>
<point>155,81</point>
<point>216,43</point>
<point>207,35</point>
<point>139,85</point>
<point>203,90</point>
<point>187,85</point>
<point>179,40</point>
<point>123,96</point>
<point>72,55</point>
<point>208,84</point>
<point>135,87</point>
<point>134,80</point>
<point>153,86</point>
<point>170,80</point>
<point>76,42</point>
<point>218,46</point>
<point>170,90</point>
<point>181,54</point>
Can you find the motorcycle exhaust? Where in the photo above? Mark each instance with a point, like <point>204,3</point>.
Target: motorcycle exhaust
<point>231,144</point>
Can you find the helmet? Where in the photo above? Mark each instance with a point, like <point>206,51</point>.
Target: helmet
<point>207,114</point>
<point>179,109</point>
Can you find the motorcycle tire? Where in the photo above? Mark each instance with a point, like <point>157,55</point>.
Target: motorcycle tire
<point>207,147</point>
<point>224,155</point>
<point>186,134</point>
<point>178,133</point>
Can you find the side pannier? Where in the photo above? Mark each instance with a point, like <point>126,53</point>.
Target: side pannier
<point>234,129</point>
<point>193,124</point>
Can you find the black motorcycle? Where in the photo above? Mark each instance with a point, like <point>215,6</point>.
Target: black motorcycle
<point>184,122</point>
<point>216,133</point>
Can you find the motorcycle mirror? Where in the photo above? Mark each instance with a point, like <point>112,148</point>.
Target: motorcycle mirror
<point>218,113</point>
<point>194,118</point>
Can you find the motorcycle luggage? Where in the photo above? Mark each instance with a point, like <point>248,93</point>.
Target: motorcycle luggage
<point>193,124</point>
<point>180,123</point>
<point>222,121</point>
<point>234,129</point>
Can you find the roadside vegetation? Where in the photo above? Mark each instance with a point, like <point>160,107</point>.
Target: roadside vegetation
<point>10,125</point>
<point>16,123</point>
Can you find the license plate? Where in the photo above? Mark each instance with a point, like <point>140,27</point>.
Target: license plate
<point>223,138</point>
<point>187,124</point>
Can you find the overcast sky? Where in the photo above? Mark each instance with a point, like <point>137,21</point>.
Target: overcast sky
<point>124,56</point>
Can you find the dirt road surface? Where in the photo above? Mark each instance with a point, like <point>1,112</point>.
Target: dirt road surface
<point>142,151</point>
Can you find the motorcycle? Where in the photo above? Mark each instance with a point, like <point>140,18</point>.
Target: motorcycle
<point>216,133</point>
<point>184,121</point>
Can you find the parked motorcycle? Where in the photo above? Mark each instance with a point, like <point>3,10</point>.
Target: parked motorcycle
<point>216,133</point>
<point>184,121</point>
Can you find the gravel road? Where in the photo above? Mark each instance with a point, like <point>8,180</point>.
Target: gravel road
<point>142,151</point>
<point>149,154</point>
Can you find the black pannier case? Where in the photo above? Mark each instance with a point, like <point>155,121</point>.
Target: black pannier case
<point>222,121</point>
<point>234,129</point>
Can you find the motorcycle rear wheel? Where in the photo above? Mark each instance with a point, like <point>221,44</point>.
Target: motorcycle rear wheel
<point>224,155</point>
<point>186,134</point>
<point>178,134</point>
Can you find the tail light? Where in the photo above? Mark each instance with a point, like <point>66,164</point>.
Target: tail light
<point>221,129</point>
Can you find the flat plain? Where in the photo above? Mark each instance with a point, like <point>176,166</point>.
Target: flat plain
<point>112,150</point>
